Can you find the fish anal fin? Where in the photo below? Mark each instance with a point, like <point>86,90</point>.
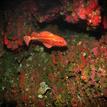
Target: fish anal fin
<point>47,45</point>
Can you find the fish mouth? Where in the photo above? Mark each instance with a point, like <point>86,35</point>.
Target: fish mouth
<point>64,43</point>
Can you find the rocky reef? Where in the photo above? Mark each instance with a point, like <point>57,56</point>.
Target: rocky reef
<point>75,75</point>
<point>37,76</point>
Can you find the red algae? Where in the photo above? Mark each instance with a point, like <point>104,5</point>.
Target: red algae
<point>22,80</point>
<point>75,75</point>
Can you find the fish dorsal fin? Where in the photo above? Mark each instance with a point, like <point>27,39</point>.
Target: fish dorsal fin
<point>47,45</point>
<point>34,34</point>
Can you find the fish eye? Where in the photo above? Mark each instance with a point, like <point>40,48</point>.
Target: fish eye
<point>60,42</point>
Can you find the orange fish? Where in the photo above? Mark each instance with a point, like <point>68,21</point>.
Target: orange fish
<point>47,38</point>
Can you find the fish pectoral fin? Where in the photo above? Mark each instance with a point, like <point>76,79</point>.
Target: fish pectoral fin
<point>47,45</point>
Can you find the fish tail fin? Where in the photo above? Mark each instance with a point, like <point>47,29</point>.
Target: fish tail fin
<point>27,39</point>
